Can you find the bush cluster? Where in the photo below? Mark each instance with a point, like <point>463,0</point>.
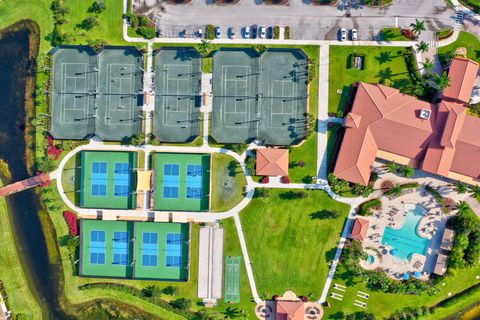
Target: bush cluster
<point>365,209</point>
<point>72,221</point>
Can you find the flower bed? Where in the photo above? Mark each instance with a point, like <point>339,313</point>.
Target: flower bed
<point>72,221</point>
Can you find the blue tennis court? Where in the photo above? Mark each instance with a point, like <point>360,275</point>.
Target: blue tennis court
<point>171,180</point>
<point>194,181</point>
<point>122,179</point>
<point>174,250</point>
<point>99,178</point>
<point>97,247</point>
<point>150,249</point>
<point>120,248</point>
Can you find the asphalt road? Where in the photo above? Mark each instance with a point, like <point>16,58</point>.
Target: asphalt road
<point>307,21</point>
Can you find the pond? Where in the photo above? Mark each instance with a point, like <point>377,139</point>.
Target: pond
<point>24,208</point>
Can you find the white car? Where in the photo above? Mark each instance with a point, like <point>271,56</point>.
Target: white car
<point>231,33</point>
<point>218,32</point>
<point>262,32</point>
<point>343,34</point>
<point>246,32</point>
<point>199,33</point>
<point>354,34</point>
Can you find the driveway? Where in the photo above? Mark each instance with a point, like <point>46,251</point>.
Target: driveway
<point>307,21</point>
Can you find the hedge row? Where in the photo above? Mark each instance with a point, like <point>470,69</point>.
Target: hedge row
<point>365,209</point>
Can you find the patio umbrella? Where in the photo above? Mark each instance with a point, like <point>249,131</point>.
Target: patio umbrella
<point>392,252</point>
<point>417,274</point>
<point>406,276</point>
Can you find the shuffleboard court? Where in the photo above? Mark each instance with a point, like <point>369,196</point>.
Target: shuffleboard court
<point>259,96</point>
<point>232,279</point>
<point>177,94</point>
<point>97,94</point>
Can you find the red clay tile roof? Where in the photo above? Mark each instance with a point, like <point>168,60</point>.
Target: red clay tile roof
<point>446,142</point>
<point>389,121</point>
<point>272,162</point>
<point>290,310</point>
<point>462,73</point>
<point>359,230</point>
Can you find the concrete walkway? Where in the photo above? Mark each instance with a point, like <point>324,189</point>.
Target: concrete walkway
<point>322,140</point>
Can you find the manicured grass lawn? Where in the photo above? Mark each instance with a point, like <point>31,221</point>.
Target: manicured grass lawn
<point>289,249</point>
<point>228,181</point>
<point>383,304</point>
<point>393,34</point>
<point>444,33</point>
<point>71,177</point>
<point>306,153</point>
<point>472,4</point>
<point>381,63</point>
<point>20,298</point>
<point>207,64</point>
<point>466,40</point>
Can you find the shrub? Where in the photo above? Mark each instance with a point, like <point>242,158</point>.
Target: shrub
<point>89,23</point>
<point>408,33</point>
<point>363,191</point>
<point>132,20</point>
<point>261,193</point>
<point>365,209</point>
<point>285,179</point>
<point>250,164</point>
<point>97,44</point>
<point>72,221</point>
<point>97,6</point>
<point>260,48</point>
<point>143,21</point>
<point>147,32</point>
<point>181,303</point>
<point>237,147</point>
<point>170,290</point>
<point>210,32</point>
<point>265,179</point>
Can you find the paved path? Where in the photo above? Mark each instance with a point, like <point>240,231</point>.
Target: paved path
<point>322,140</point>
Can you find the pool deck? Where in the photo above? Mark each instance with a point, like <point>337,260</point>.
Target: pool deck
<point>431,226</point>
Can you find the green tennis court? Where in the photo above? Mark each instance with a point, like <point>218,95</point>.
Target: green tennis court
<point>259,96</point>
<point>97,93</point>
<point>177,100</point>
<point>232,279</point>
<point>108,180</point>
<point>140,250</point>
<point>182,181</point>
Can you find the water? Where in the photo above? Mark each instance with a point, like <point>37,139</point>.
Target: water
<point>370,259</point>
<point>406,241</point>
<point>24,207</point>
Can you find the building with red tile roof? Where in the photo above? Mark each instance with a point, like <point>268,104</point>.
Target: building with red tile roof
<point>386,124</point>
<point>290,310</point>
<point>359,229</point>
<point>272,162</point>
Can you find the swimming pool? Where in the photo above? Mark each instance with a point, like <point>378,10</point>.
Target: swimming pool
<point>406,241</point>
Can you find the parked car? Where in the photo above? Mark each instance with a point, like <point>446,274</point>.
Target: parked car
<point>158,33</point>
<point>200,33</point>
<point>270,33</point>
<point>231,33</point>
<point>262,32</point>
<point>254,31</point>
<point>218,32</point>
<point>354,34</point>
<point>343,34</point>
<point>246,32</point>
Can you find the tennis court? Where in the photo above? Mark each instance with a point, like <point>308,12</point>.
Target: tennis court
<point>182,181</point>
<point>97,94</point>
<point>259,96</point>
<point>106,248</point>
<point>232,279</point>
<point>177,94</point>
<point>161,251</point>
<point>108,180</point>
<point>141,250</point>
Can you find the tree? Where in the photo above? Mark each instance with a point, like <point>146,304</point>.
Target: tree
<point>97,6</point>
<point>408,171</point>
<point>475,190</point>
<point>89,23</point>
<point>205,47</point>
<point>147,32</point>
<point>392,167</point>
<point>423,46</point>
<point>418,26</point>
<point>181,303</point>
<point>460,187</point>
<point>463,207</point>
<point>441,82</point>
<point>170,290</point>
<point>428,66</point>
<point>396,190</point>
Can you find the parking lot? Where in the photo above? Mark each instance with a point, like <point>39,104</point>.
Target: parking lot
<point>307,21</point>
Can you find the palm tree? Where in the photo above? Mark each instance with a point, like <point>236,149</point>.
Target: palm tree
<point>418,26</point>
<point>396,190</point>
<point>442,82</point>
<point>475,190</point>
<point>460,187</point>
<point>392,167</point>
<point>408,171</point>
<point>423,46</point>
<point>428,65</point>
<point>462,207</point>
